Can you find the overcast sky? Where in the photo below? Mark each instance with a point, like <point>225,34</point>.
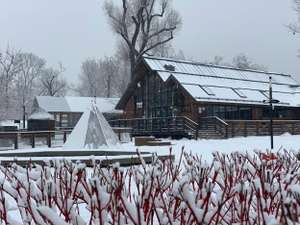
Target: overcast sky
<point>70,31</point>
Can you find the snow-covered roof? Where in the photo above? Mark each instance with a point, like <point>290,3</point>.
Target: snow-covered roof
<point>7,123</point>
<point>213,83</point>
<point>41,114</point>
<point>76,104</point>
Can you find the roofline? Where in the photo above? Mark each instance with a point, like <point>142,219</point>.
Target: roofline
<point>214,65</point>
<point>228,78</point>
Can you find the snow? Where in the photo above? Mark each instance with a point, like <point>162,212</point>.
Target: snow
<point>183,187</point>
<point>105,105</point>
<point>205,148</point>
<point>92,131</point>
<point>41,114</point>
<point>7,123</point>
<point>76,104</point>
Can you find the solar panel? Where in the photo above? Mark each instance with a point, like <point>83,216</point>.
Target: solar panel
<point>239,93</point>
<point>208,90</point>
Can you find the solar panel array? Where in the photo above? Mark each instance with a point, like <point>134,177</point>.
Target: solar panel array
<point>206,82</point>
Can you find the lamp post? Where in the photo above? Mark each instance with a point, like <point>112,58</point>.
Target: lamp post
<point>271,101</point>
<point>24,116</point>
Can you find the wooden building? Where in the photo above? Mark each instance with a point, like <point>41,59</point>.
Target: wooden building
<point>68,110</point>
<point>204,95</point>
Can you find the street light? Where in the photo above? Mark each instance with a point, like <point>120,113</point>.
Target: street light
<point>271,101</point>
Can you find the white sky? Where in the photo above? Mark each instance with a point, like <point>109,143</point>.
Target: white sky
<point>69,31</point>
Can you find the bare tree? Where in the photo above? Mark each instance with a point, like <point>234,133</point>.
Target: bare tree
<point>109,69</point>
<point>52,82</point>
<point>242,61</point>
<point>26,80</point>
<point>99,77</point>
<point>89,79</point>
<point>143,25</point>
<point>10,65</point>
<point>295,27</point>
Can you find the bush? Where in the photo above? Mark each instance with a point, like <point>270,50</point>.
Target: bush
<point>260,188</point>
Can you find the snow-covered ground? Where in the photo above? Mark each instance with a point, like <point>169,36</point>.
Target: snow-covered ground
<point>204,148</point>
<point>81,212</point>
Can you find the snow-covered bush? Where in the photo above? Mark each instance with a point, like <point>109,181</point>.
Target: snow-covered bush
<point>233,189</point>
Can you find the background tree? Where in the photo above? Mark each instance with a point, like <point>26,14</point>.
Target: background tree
<point>89,79</point>
<point>109,69</point>
<point>143,25</point>
<point>26,81</point>
<point>10,65</point>
<point>52,82</point>
<point>242,61</point>
<point>295,27</point>
<point>100,78</point>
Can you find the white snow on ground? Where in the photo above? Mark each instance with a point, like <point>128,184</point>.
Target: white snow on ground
<point>200,147</point>
<point>205,148</point>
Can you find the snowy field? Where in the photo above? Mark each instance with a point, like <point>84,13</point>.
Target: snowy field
<point>243,188</point>
<point>205,148</point>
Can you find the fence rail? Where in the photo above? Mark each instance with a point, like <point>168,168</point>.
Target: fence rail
<point>208,127</point>
<point>161,126</point>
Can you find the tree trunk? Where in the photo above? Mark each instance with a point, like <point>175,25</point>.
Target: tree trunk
<point>132,64</point>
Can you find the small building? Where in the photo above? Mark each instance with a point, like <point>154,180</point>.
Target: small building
<point>165,88</point>
<point>41,120</point>
<point>68,110</point>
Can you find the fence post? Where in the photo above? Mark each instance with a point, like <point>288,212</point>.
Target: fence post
<point>32,141</point>
<point>245,129</point>
<point>49,140</point>
<point>16,141</point>
<point>226,131</point>
<point>65,136</point>
<point>293,128</point>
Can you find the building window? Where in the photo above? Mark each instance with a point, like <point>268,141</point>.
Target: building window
<point>239,93</point>
<point>64,120</point>
<point>207,90</point>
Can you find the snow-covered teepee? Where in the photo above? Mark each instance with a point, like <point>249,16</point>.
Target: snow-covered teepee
<point>92,132</point>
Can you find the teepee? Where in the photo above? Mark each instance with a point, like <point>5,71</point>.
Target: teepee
<point>92,132</point>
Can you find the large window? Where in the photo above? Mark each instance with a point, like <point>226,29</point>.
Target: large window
<point>230,112</point>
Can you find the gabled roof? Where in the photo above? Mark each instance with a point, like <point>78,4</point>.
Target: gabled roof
<point>214,83</point>
<point>76,104</point>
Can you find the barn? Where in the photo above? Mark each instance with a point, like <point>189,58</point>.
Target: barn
<point>169,97</point>
<point>68,110</point>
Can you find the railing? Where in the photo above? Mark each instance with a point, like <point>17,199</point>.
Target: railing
<point>262,127</point>
<point>30,138</point>
<point>214,124</point>
<point>159,126</point>
<point>208,127</point>
<point>52,138</point>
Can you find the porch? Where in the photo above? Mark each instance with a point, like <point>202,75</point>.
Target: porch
<point>207,127</point>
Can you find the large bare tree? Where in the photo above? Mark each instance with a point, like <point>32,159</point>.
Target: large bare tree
<point>143,25</point>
